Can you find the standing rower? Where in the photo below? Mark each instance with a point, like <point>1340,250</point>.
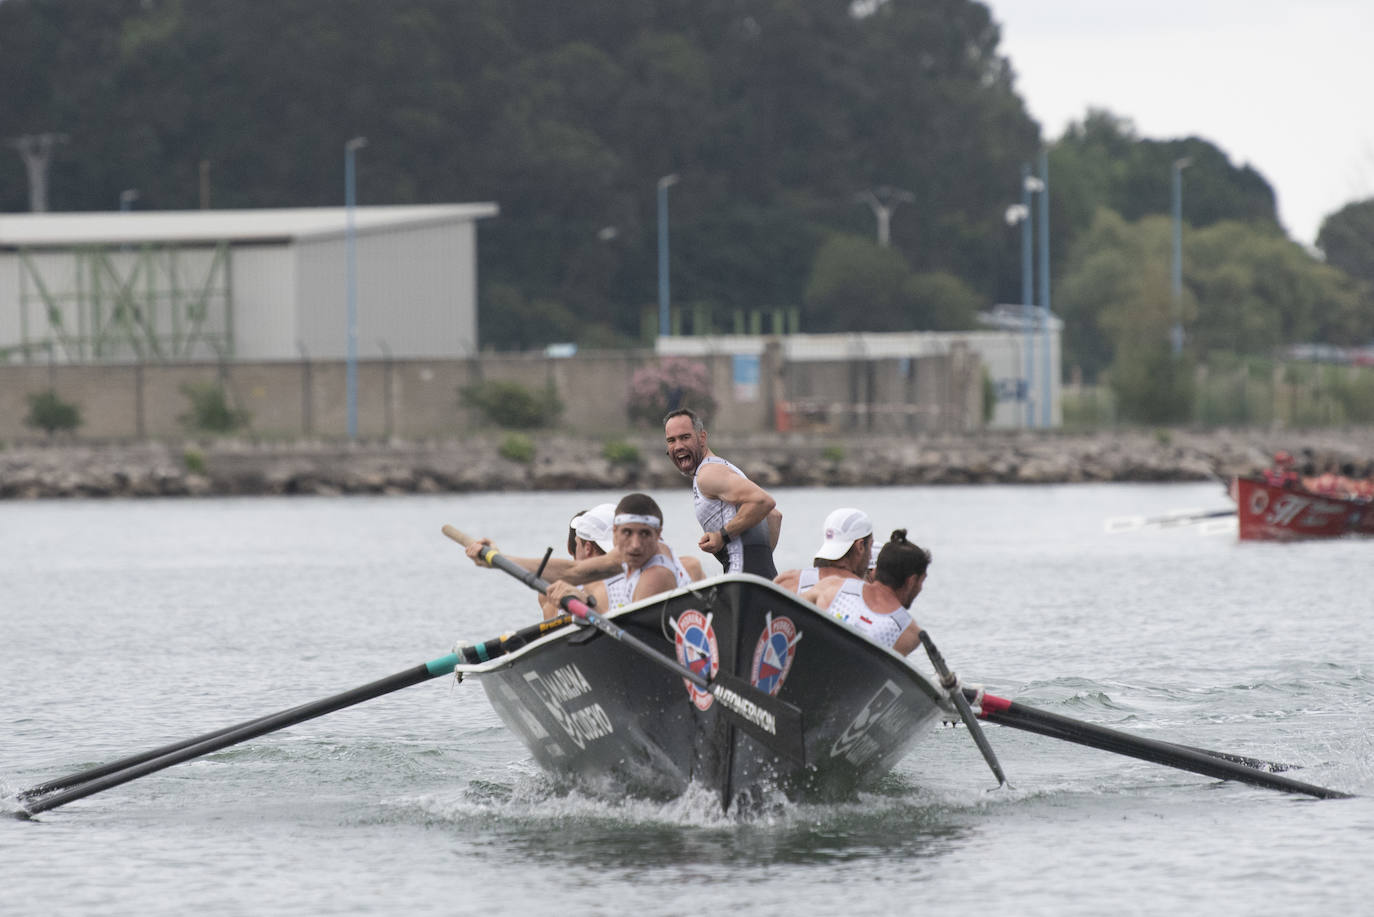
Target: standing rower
<point>740,520</point>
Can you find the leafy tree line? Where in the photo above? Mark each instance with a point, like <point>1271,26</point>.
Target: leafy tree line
<point>775,114</point>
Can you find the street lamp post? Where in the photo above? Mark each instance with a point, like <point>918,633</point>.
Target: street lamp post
<point>664,184</point>
<point>1176,333</point>
<point>1046,380</point>
<point>350,202</point>
<point>1020,213</point>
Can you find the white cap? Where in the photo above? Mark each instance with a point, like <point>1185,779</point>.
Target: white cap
<point>843,527</point>
<point>595,525</point>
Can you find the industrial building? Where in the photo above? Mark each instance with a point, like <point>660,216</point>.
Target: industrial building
<point>247,285</point>
<point>860,375</point>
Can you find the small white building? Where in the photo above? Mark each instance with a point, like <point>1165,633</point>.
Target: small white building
<point>1021,358</point>
<point>268,284</point>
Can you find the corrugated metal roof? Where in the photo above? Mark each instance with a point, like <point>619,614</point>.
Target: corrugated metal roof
<point>207,226</point>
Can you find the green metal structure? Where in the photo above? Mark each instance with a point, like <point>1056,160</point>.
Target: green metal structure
<point>149,303</point>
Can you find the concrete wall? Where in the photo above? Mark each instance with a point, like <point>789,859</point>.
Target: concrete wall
<point>420,398</point>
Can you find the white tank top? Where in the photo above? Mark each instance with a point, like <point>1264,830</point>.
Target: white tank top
<point>713,513</point>
<point>808,577</point>
<point>881,627</point>
<point>620,589</point>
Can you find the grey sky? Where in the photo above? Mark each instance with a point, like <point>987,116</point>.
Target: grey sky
<point>1283,86</point>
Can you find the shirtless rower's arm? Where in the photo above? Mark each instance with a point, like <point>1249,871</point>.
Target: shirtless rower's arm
<point>752,505</point>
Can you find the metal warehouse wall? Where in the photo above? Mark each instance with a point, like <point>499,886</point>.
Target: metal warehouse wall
<point>416,290</point>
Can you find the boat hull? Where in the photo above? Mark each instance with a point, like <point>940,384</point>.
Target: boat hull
<point>1268,512</point>
<point>588,707</point>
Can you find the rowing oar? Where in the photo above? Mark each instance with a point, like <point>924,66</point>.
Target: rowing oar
<point>1199,761</point>
<point>951,685</point>
<point>1118,524</point>
<point>46,796</point>
<point>773,722</point>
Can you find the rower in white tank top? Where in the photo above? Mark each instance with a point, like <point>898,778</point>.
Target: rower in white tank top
<point>881,627</point>
<point>620,589</point>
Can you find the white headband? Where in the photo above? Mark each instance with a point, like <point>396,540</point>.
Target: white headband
<point>652,522</point>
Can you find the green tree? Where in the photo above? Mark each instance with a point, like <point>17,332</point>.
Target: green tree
<point>1347,239</point>
<point>857,285</point>
<point>942,302</point>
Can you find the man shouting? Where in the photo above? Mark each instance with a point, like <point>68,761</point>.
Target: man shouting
<point>740,520</point>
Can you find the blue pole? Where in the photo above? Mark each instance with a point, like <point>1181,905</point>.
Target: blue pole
<point>1046,380</point>
<point>1027,289</point>
<point>350,183</point>
<point>664,184</point>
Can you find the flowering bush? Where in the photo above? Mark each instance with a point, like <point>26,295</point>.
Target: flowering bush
<point>665,386</point>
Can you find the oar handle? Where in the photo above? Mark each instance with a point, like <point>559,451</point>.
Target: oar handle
<point>772,721</point>
<point>494,558</point>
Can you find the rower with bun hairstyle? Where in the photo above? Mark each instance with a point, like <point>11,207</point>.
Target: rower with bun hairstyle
<point>879,609</point>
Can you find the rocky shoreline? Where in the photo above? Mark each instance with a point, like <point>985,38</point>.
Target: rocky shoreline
<point>563,462</point>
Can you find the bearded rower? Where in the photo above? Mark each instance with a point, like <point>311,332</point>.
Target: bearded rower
<point>741,521</point>
<point>847,551</point>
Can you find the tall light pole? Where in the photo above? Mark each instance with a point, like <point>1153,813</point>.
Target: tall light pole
<point>1176,333</point>
<point>883,201</point>
<point>1021,213</point>
<point>1046,381</point>
<point>664,184</point>
<point>350,202</point>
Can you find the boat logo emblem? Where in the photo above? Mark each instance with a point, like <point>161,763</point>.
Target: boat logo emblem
<point>773,656</point>
<point>695,640</point>
<point>1259,502</point>
<point>854,743</point>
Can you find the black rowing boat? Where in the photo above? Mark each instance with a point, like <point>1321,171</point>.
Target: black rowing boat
<point>588,708</point>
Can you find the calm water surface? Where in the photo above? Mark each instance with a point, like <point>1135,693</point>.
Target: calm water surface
<point>125,625</point>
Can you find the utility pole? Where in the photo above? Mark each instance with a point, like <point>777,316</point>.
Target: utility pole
<point>36,150</point>
<point>883,201</point>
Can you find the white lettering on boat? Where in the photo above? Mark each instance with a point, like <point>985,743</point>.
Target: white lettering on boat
<point>746,709</point>
<point>1307,512</point>
<point>854,743</point>
<point>558,688</point>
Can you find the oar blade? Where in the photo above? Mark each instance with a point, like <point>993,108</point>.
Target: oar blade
<point>1218,765</point>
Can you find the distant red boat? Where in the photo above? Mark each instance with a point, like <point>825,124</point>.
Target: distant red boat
<point>1270,512</point>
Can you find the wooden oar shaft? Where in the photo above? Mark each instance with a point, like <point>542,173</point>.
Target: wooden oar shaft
<point>1031,719</point>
